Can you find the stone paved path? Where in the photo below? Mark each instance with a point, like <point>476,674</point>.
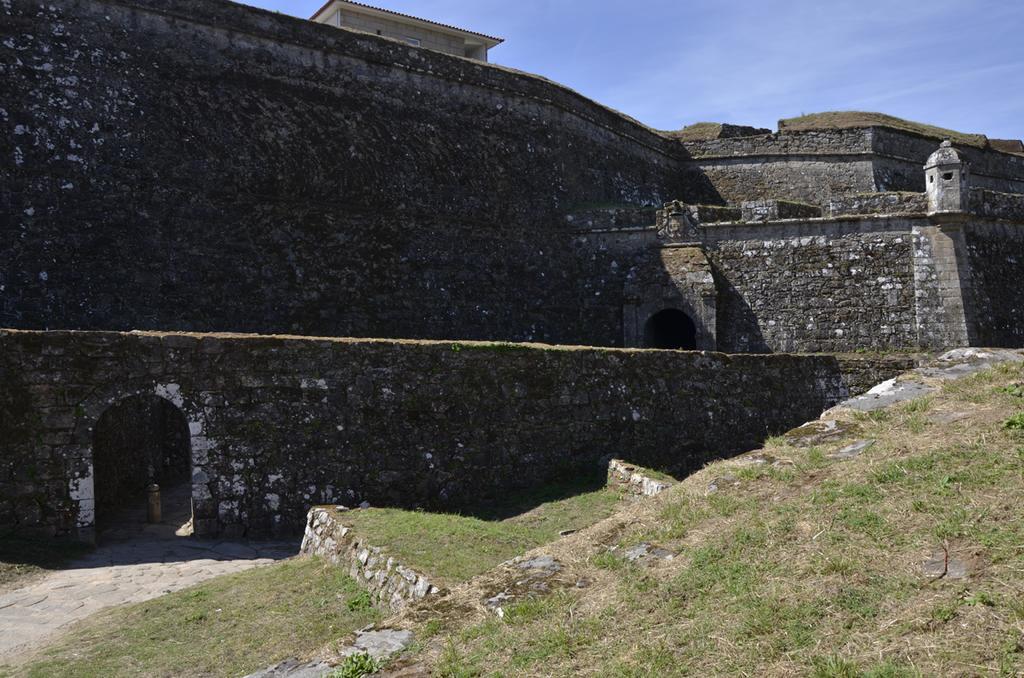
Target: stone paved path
<point>121,573</point>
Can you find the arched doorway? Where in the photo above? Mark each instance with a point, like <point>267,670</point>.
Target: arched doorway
<point>670,328</point>
<point>138,441</point>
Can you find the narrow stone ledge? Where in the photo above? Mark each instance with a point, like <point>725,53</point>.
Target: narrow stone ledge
<point>626,475</point>
<point>392,584</point>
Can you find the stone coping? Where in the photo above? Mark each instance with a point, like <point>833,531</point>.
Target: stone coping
<point>194,338</point>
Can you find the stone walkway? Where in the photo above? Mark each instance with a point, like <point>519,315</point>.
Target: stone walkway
<point>133,564</point>
<point>121,573</point>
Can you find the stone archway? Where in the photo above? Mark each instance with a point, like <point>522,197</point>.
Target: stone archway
<point>670,278</point>
<point>670,328</point>
<point>139,440</point>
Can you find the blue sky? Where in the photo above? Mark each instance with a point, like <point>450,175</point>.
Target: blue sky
<point>953,63</point>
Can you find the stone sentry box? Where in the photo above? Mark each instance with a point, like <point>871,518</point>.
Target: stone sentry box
<point>279,424</point>
<point>947,179</point>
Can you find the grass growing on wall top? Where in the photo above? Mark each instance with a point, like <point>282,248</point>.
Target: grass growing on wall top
<point>854,119</point>
<point>698,131</point>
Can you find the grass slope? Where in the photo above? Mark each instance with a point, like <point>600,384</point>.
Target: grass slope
<point>227,626</point>
<point>457,547</point>
<point>698,131</point>
<point>809,566</point>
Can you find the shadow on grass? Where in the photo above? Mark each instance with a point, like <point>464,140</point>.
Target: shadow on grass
<point>517,502</point>
<point>22,556</point>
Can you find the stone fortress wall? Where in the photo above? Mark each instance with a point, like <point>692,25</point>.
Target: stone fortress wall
<point>816,166</point>
<point>209,167</point>
<point>282,423</point>
<point>213,167</point>
<point>873,271</point>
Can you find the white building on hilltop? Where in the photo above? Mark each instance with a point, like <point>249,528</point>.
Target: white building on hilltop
<point>413,30</point>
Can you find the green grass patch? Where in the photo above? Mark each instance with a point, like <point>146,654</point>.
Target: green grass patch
<point>457,547</point>
<point>356,666</point>
<point>1015,423</point>
<point>1014,390</point>
<point>227,626</point>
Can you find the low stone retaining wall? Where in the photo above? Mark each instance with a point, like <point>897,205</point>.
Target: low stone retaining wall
<point>279,424</point>
<point>630,477</point>
<point>862,373</point>
<point>392,584</point>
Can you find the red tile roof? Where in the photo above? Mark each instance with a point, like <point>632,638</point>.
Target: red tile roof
<point>406,16</point>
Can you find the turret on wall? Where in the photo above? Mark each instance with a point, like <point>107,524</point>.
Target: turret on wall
<point>942,274</point>
<point>947,179</point>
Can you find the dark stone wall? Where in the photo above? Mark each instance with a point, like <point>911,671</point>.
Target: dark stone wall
<point>818,286</point>
<point>1008,207</point>
<point>818,165</point>
<point>780,144</point>
<point>842,283</point>
<point>170,164</point>
<point>805,166</point>
<point>903,155</point>
<point>836,285</point>
<point>278,424</point>
<point>995,252</point>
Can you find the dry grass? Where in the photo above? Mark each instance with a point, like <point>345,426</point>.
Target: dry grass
<point>805,566</point>
<point>227,626</point>
<point>698,131</point>
<point>852,119</point>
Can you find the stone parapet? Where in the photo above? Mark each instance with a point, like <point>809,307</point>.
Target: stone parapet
<point>998,205</point>
<point>278,424</point>
<point>755,211</point>
<point>888,202</point>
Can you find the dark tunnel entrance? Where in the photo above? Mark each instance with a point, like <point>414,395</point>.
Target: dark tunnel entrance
<point>670,328</point>
<point>139,441</point>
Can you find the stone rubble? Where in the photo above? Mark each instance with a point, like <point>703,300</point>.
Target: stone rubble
<point>379,644</point>
<point>645,551</point>
<point>526,577</point>
<point>852,451</point>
